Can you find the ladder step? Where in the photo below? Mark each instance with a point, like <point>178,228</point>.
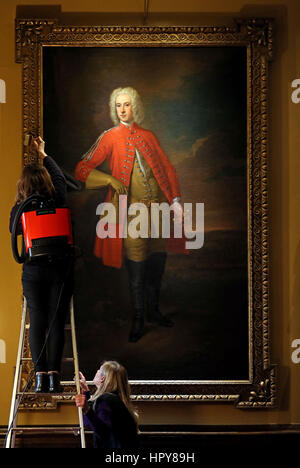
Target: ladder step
<point>34,394</point>
<point>56,430</point>
<point>67,326</point>
<point>66,359</point>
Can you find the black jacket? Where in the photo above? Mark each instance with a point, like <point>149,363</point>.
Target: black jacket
<point>32,270</point>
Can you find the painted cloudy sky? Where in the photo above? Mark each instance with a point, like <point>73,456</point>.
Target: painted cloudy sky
<point>195,103</point>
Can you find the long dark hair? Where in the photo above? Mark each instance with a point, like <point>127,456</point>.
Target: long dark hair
<point>35,179</point>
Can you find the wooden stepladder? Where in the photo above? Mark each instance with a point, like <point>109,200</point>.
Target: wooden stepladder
<point>19,391</point>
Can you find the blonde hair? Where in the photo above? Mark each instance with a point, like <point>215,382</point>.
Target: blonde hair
<point>136,104</point>
<point>35,179</point>
<point>116,380</point>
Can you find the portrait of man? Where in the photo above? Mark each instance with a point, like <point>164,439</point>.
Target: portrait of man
<point>140,169</point>
<point>141,127</point>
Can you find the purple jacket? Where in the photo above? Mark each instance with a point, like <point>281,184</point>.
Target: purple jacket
<point>111,422</point>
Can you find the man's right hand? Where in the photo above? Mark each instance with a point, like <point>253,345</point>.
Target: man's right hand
<point>97,179</point>
<point>118,186</point>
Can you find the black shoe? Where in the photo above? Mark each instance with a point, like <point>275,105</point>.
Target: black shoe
<point>41,383</point>
<point>137,327</point>
<point>54,383</point>
<point>157,317</point>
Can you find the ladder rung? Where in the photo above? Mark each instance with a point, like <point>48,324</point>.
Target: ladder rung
<point>46,393</point>
<point>67,326</point>
<point>66,359</point>
<point>46,429</point>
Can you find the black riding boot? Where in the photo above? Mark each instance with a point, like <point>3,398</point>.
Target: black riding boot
<point>136,273</point>
<point>54,383</point>
<point>41,383</point>
<point>155,267</point>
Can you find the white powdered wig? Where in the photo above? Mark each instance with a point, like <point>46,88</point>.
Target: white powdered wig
<point>136,103</point>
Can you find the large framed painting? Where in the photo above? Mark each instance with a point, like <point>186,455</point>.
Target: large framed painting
<point>171,117</point>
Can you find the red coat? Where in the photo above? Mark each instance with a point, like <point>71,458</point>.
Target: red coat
<point>117,145</point>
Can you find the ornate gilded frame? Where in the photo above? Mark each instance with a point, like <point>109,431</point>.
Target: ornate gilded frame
<point>256,35</point>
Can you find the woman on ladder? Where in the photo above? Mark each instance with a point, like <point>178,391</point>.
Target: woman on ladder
<point>47,283</point>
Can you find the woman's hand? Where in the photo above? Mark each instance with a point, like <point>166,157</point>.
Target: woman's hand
<point>81,402</point>
<point>39,145</point>
<point>82,381</point>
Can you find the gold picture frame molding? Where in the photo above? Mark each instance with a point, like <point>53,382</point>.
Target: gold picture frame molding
<point>256,35</point>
